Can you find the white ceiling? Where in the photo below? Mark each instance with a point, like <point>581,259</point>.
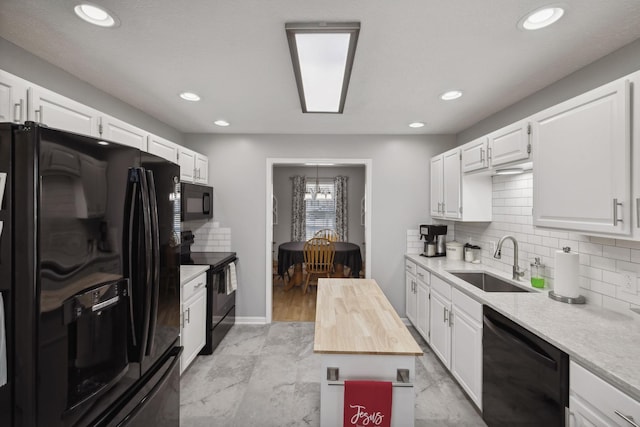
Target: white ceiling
<point>234,53</point>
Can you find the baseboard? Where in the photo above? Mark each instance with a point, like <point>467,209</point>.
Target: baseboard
<point>248,320</point>
<point>406,321</point>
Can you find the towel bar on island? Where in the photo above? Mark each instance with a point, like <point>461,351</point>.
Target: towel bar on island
<point>402,378</point>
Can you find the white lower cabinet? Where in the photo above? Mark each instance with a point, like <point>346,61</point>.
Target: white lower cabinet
<point>439,318</point>
<point>422,302</point>
<point>466,344</point>
<point>193,325</point>
<point>410,291</point>
<point>595,402</point>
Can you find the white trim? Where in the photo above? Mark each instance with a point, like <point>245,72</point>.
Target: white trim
<point>247,320</point>
<point>271,162</point>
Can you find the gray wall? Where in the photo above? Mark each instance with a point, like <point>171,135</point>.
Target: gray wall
<point>608,68</point>
<point>23,64</point>
<point>282,189</point>
<point>400,190</point>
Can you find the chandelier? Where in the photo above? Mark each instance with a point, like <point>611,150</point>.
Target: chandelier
<point>317,193</point>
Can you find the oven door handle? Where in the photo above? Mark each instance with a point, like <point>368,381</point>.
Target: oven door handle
<point>505,334</point>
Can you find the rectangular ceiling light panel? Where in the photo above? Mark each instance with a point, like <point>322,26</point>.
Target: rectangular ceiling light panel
<point>322,56</point>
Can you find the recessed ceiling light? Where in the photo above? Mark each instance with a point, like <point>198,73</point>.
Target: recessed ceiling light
<point>541,18</point>
<point>222,123</point>
<point>96,15</point>
<point>451,95</point>
<point>103,143</point>
<point>416,125</point>
<point>190,96</point>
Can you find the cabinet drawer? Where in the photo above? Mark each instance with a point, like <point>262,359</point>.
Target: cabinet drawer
<point>467,304</point>
<point>193,286</point>
<point>423,275</point>
<point>441,286</point>
<point>410,267</point>
<point>602,395</point>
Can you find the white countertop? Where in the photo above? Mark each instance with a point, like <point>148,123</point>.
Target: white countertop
<point>190,272</point>
<point>604,341</point>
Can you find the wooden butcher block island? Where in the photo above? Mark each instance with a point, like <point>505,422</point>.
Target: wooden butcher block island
<point>361,337</point>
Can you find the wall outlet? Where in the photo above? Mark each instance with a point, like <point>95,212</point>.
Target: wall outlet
<point>629,281</point>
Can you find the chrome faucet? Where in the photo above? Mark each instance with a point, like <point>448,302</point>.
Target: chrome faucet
<point>517,273</point>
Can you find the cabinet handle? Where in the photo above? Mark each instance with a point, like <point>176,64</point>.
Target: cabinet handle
<point>627,418</point>
<point>198,285</point>
<point>188,319</point>
<point>482,156</point>
<point>194,172</point>
<point>488,154</point>
<point>15,111</point>
<point>40,114</point>
<point>450,318</point>
<point>615,212</point>
<point>638,212</point>
<point>445,314</point>
<point>413,286</point>
<point>443,208</point>
<point>421,276</point>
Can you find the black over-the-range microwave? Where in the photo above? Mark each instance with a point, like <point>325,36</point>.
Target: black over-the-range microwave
<point>196,202</point>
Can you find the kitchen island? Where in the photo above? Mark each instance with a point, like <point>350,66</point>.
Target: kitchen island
<point>360,337</point>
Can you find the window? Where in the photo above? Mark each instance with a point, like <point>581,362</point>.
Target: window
<point>321,211</point>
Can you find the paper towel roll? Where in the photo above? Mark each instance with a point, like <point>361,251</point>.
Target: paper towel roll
<point>567,274</point>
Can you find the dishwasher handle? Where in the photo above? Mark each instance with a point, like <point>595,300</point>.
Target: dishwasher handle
<point>505,334</point>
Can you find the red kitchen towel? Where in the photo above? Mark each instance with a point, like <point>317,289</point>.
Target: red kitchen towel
<point>367,403</point>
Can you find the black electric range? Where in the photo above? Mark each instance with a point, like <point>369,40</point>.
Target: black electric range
<point>221,306</point>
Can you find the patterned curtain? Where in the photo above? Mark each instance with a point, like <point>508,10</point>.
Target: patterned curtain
<point>342,211</point>
<point>298,209</point>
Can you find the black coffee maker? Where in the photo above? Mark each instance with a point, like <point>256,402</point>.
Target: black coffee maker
<point>435,239</point>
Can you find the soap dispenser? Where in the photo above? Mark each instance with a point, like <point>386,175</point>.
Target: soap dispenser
<point>537,273</point>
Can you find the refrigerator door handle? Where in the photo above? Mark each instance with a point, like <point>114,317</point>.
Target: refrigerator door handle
<point>155,283</point>
<point>148,259</point>
<point>130,210</point>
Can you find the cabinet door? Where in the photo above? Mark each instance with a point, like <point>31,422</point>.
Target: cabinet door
<point>581,153</point>
<point>422,310</point>
<point>509,144</point>
<point>162,148</point>
<point>116,130</point>
<point>466,354</point>
<point>440,332</point>
<point>452,182</point>
<point>474,155</point>
<point>187,162</point>
<point>194,328</point>
<point>59,112</point>
<point>13,98</point>
<point>202,169</point>
<point>583,415</point>
<point>436,186</point>
<point>410,298</point>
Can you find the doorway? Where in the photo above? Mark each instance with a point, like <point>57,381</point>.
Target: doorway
<point>273,211</point>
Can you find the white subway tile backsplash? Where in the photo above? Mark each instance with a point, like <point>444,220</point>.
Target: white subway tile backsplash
<point>601,259</point>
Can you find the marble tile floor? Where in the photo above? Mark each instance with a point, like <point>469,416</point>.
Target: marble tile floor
<point>268,376</point>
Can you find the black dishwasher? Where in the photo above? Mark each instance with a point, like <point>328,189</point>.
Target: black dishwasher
<point>525,380</point>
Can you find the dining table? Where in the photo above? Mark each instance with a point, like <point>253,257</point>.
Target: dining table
<point>292,254</point>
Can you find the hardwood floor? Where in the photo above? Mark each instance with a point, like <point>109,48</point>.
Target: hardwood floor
<point>293,305</point>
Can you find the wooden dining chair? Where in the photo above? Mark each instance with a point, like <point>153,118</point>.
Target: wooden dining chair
<point>318,259</point>
<point>327,233</point>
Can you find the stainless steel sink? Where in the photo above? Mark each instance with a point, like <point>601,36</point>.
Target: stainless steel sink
<point>487,282</point>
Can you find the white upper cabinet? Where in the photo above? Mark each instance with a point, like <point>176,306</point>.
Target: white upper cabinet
<point>455,196</point>
<point>194,167</point>
<point>13,98</point>
<point>451,185</point>
<point>436,186</point>
<point>475,155</point>
<point>59,112</point>
<point>202,169</point>
<point>162,148</point>
<point>509,144</point>
<point>116,130</point>
<point>582,162</point>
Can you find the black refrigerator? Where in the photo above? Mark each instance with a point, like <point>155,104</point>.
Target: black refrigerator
<point>89,261</point>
